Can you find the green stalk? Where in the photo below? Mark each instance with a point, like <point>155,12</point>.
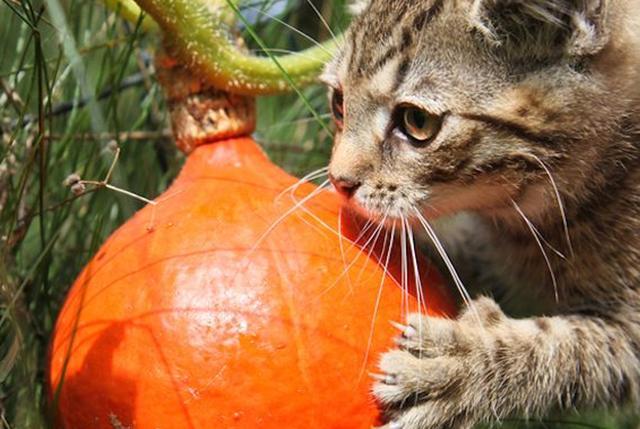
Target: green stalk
<point>130,11</point>
<point>198,34</point>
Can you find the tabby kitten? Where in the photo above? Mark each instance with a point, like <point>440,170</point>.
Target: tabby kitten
<point>524,115</point>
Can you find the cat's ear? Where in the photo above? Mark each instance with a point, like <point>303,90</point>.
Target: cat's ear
<point>356,7</point>
<point>540,28</point>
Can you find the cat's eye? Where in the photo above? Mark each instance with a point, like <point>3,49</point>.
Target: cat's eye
<point>337,107</point>
<point>417,124</point>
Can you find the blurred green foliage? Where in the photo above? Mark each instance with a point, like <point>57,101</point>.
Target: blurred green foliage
<point>75,82</point>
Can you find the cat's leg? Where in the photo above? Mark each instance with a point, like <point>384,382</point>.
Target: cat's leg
<point>485,366</point>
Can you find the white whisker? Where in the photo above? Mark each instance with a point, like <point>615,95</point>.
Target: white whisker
<point>416,273</point>
<point>379,230</point>
<point>405,268</point>
<point>283,51</point>
<point>298,121</point>
<point>368,224</point>
<point>560,203</point>
<point>385,274</point>
<point>292,28</point>
<point>286,214</point>
<point>445,257</point>
<point>353,262</point>
<point>341,245</point>
<point>321,172</point>
<point>418,283</point>
<point>537,237</point>
<point>303,218</point>
<point>324,22</point>
<point>277,222</point>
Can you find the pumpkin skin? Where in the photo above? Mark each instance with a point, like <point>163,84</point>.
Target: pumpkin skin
<point>186,318</point>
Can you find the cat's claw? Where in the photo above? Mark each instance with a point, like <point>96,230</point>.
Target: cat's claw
<point>423,382</point>
<point>407,331</point>
<point>383,378</point>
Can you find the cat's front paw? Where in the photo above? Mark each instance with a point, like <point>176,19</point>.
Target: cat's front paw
<point>430,381</point>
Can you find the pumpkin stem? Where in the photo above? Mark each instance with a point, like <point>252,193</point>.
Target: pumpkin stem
<point>201,113</point>
<point>198,33</point>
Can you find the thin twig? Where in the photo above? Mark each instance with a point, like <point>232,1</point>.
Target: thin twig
<point>131,81</point>
<point>122,136</point>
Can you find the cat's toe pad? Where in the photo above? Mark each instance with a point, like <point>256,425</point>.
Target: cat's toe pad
<point>408,378</point>
<point>427,336</point>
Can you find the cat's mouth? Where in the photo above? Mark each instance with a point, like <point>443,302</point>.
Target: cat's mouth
<point>389,203</point>
<point>394,203</point>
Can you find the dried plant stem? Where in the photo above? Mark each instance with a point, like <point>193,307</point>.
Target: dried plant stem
<point>105,182</point>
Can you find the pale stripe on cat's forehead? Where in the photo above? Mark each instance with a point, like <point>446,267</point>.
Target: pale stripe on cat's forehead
<point>392,37</point>
<point>385,80</point>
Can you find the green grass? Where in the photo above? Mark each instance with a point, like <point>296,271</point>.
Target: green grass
<point>73,84</point>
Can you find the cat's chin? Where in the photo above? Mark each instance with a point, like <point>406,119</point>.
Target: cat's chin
<point>394,216</point>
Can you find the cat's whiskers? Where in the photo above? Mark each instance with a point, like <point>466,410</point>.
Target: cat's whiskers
<point>321,172</point>
<point>285,215</point>
<point>291,27</point>
<point>419,291</point>
<point>422,304</point>
<point>297,121</point>
<point>341,244</point>
<point>298,205</point>
<point>384,261</point>
<point>449,264</point>
<point>325,23</point>
<point>282,51</point>
<point>556,191</point>
<point>374,235</point>
<point>538,238</point>
<point>404,267</point>
<point>368,224</point>
<point>379,229</point>
<point>405,276</point>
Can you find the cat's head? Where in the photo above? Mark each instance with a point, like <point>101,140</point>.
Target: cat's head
<point>455,105</point>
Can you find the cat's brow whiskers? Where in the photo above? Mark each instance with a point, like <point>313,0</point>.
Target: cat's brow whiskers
<point>292,28</point>
<point>283,51</point>
<point>325,23</point>
<point>447,260</point>
<point>297,122</point>
<point>537,237</point>
<point>559,200</point>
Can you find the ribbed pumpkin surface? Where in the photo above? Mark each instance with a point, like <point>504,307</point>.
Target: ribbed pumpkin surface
<point>197,314</point>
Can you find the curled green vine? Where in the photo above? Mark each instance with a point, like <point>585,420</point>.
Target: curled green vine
<point>198,32</point>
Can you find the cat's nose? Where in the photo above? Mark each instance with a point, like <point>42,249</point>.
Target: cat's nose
<point>344,185</point>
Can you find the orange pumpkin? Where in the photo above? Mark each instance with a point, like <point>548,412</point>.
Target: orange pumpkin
<point>212,309</point>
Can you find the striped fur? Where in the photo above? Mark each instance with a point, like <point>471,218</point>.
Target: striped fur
<point>539,148</point>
